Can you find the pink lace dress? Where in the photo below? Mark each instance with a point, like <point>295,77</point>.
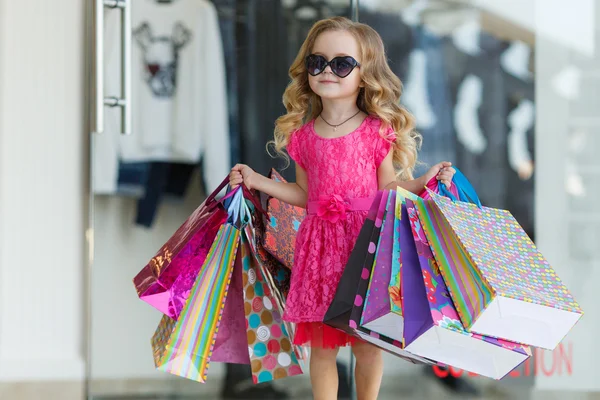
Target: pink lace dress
<point>341,172</point>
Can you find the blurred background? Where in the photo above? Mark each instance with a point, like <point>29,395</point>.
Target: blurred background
<point>505,89</point>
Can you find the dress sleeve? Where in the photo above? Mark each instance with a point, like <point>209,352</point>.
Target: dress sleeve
<point>383,145</point>
<point>294,149</point>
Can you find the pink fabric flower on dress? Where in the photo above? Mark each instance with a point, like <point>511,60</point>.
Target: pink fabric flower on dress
<point>332,209</point>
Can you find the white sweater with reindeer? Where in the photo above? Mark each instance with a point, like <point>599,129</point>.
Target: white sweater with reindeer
<point>179,99</point>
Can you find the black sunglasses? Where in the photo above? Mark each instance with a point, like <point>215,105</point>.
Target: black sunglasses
<point>341,66</point>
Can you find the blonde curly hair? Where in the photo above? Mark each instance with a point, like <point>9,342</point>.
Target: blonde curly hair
<point>379,97</point>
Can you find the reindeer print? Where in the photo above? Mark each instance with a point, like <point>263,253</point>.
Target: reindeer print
<point>161,57</point>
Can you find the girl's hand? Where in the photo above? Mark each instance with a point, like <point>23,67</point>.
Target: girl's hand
<point>443,171</point>
<point>241,173</point>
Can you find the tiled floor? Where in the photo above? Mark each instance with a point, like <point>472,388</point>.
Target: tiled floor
<point>413,388</point>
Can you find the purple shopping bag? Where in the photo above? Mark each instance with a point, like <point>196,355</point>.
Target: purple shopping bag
<point>231,345</point>
<point>377,314</point>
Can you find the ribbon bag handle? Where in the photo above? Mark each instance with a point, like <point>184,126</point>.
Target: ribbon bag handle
<point>466,191</point>
<point>226,200</point>
<point>214,194</point>
<point>250,196</point>
<point>238,210</point>
<point>234,208</point>
<point>211,202</point>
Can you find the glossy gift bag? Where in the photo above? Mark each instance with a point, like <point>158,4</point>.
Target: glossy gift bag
<point>166,280</point>
<point>378,314</point>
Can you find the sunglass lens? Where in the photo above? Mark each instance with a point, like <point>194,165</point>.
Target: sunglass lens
<point>315,64</point>
<point>342,66</point>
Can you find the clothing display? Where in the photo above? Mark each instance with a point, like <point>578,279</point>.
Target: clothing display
<point>179,94</point>
<point>520,196</point>
<point>482,96</point>
<point>432,95</point>
<point>226,10</point>
<point>462,84</point>
<point>482,92</point>
<point>151,183</point>
<point>262,79</point>
<point>491,163</point>
<point>397,37</point>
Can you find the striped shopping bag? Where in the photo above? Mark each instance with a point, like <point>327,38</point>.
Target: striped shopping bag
<point>184,347</point>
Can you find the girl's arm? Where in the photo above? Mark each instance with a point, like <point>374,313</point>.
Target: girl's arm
<point>387,176</point>
<point>291,193</point>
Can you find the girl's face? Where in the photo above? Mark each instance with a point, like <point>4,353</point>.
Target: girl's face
<point>328,85</point>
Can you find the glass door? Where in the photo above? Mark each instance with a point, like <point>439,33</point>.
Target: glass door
<point>181,90</point>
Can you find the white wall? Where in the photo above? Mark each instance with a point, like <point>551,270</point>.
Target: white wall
<point>568,185</point>
<point>41,190</point>
<point>569,23</point>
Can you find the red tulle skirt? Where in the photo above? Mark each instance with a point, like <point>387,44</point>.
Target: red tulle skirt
<point>318,334</point>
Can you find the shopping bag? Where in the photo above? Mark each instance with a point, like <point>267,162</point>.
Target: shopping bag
<point>383,305</point>
<point>183,347</point>
<point>269,338</point>
<point>230,341</point>
<point>438,187</point>
<point>394,287</point>
<point>412,246</point>
<point>166,280</point>
<point>384,314</point>
<point>338,313</point>
<point>283,222</point>
<point>280,273</point>
<point>231,279</point>
<point>346,308</point>
<point>432,327</point>
<point>501,285</point>
<point>377,314</point>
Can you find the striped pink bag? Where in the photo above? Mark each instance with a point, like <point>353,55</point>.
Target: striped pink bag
<point>184,347</point>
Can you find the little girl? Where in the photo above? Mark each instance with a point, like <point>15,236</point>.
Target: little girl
<point>349,138</point>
